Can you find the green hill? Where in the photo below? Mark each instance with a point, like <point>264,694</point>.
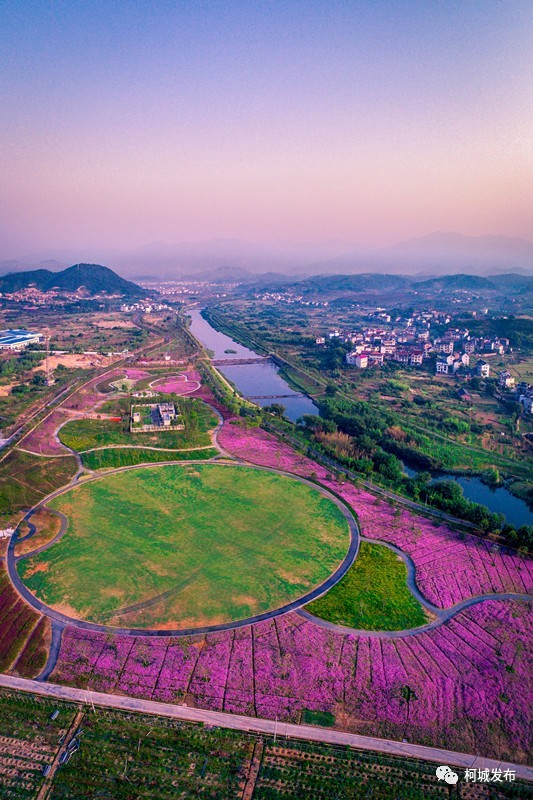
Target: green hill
<point>95,278</point>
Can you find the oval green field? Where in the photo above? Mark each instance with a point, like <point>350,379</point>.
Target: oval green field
<point>175,547</point>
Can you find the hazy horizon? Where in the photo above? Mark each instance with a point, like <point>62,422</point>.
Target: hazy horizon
<point>367,123</point>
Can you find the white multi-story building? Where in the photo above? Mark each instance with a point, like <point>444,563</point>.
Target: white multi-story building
<point>444,346</point>
<point>482,368</point>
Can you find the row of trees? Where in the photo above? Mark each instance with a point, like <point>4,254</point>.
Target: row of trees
<point>354,437</point>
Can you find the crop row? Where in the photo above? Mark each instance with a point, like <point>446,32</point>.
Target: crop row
<point>460,685</point>
<point>33,657</point>
<point>17,622</point>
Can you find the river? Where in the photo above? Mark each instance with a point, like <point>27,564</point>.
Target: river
<point>252,380</point>
<point>498,499</point>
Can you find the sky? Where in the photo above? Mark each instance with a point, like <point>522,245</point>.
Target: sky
<point>129,122</point>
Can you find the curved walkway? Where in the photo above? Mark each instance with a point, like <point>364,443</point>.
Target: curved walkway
<point>53,653</point>
<point>444,615</point>
<point>59,621</point>
<point>318,591</point>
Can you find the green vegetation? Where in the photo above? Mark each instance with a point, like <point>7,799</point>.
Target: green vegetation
<point>353,434</point>
<point>204,544</point>
<point>126,756</point>
<point>84,434</point>
<point>113,457</point>
<point>323,718</point>
<point>29,739</point>
<point>25,479</point>
<point>373,595</point>
<point>94,277</point>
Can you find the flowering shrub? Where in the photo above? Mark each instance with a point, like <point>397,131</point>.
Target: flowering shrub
<point>462,685</point>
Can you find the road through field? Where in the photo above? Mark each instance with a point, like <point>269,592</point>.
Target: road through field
<point>265,726</point>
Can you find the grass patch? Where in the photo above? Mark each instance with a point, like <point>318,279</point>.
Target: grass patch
<point>84,434</point>
<point>25,479</point>
<point>47,526</point>
<point>373,595</point>
<point>113,457</point>
<point>323,718</point>
<point>212,543</point>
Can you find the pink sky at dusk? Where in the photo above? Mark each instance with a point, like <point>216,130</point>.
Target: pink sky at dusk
<point>368,122</point>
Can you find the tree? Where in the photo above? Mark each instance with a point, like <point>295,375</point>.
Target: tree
<point>275,408</point>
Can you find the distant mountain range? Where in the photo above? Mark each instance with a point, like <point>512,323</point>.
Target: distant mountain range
<point>508,283</point>
<point>95,278</point>
<point>436,254</point>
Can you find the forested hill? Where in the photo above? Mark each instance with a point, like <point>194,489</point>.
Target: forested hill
<point>95,278</point>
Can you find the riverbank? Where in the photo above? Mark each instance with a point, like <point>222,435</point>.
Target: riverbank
<point>263,384</point>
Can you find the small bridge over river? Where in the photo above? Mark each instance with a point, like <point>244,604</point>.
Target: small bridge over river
<point>235,362</point>
<point>274,396</point>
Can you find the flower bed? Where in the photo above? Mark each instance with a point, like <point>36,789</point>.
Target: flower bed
<point>462,686</point>
<point>450,566</point>
<point>33,657</point>
<point>17,621</point>
<point>43,439</point>
<point>136,374</point>
<point>180,384</point>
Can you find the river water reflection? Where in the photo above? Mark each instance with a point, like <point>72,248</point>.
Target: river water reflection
<point>498,499</point>
<point>261,381</point>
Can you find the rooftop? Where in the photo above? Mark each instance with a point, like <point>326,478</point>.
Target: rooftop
<point>16,336</point>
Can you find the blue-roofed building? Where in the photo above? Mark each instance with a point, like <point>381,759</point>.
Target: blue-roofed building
<point>18,339</point>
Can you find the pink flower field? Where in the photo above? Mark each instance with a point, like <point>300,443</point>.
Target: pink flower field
<point>177,384</point>
<point>468,679</point>
<point>135,374</point>
<point>450,567</point>
<point>42,440</point>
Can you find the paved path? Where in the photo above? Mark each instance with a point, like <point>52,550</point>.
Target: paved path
<point>265,726</point>
<point>442,614</point>
<point>53,653</point>
<point>318,591</point>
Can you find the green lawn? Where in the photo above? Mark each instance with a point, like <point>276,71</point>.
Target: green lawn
<point>84,434</point>
<point>112,457</point>
<point>220,542</point>
<point>373,595</point>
